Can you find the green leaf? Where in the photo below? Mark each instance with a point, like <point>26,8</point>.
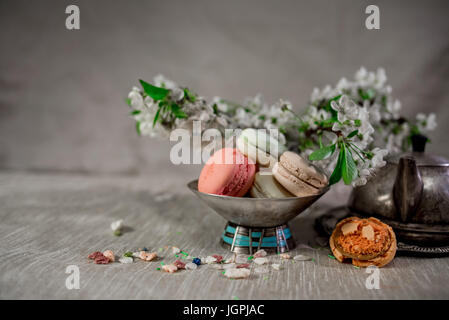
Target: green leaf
<point>328,123</point>
<point>215,108</point>
<point>336,174</point>
<point>138,127</point>
<point>128,101</point>
<point>357,122</point>
<point>177,111</point>
<point>367,94</point>
<point>155,93</point>
<point>191,96</point>
<point>322,153</point>
<point>349,169</point>
<point>156,116</point>
<point>353,133</point>
<point>135,112</point>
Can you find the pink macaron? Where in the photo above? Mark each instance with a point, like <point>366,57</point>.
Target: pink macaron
<point>228,173</point>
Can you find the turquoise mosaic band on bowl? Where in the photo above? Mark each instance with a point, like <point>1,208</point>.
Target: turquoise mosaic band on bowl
<point>243,241</point>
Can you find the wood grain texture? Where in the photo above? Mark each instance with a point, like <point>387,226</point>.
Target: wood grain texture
<point>51,221</point>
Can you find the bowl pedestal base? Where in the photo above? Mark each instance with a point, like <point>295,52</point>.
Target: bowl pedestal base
<point>246,240</point>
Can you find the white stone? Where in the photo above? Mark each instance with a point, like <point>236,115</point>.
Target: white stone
<point>237,273</point>
<point>191,266</point>
<point>260,253</point>
<point>126,260</point>
<point>301,257</point>
<point>260,261</point>
<point>276,266</point>
<point>117,225</point>
<point>210,259</point>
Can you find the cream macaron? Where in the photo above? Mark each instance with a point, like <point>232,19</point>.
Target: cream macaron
<point>260,146</point>
<point>298,176</point>
<point>265,186</point>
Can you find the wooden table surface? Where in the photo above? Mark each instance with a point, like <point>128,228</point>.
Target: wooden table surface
<point>51,221</point>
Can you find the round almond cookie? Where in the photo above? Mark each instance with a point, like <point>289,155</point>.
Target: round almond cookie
<point>365,242</point>
<point>361,239</point>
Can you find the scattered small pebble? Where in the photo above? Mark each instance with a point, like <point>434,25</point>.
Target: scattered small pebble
<point>147,256</point>
<point>260,261</point>
<point>179,264</point>
<point>95,255</point>
<point>301,257</point>
<point>196,261</point>
<point>235,273</point>
<point>126,260</point>
<point>260,253</point>
<point>210,259</point>
<point>191,266</point>
<point>175,250</point>
<point>110,255</point>
<point>102,260</point>
<point>117,225</point>
<point>276,266</point>
<point>231,259</point>
<point>170,268</point>
<point>285,256</point>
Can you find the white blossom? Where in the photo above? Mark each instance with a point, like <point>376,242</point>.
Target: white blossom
<point>362,106</point>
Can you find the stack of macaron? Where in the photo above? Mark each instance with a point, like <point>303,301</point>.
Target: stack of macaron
<point>261,167</point>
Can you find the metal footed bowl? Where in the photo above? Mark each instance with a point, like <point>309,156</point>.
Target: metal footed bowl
<point>256,212</point>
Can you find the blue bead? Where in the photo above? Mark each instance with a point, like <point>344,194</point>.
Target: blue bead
<point>197,261</point>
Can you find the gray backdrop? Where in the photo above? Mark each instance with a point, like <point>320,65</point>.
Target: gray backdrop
<point>62,92</point>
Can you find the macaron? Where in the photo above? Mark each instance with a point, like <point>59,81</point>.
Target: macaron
<point>227,172</point>
<point>265,186</point>
<point>298,176</point>
<point>260,146</point>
